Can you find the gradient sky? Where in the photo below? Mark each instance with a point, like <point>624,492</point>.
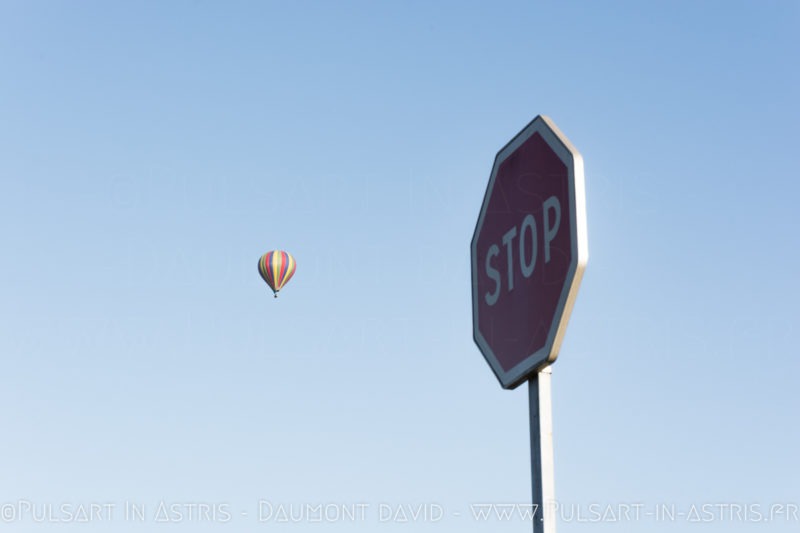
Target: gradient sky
<point>150,152</point>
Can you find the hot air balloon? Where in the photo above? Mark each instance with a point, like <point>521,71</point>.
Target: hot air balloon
<point>277,268</point>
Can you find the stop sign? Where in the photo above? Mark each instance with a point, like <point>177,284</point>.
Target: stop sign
<point>528,251</point>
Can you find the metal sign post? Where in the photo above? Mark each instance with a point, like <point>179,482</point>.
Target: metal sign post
<point>542,461</point>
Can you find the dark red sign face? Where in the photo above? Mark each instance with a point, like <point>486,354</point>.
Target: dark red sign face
<point>523,254</point>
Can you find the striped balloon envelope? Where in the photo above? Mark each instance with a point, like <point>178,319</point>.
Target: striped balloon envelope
<point>277,268</point>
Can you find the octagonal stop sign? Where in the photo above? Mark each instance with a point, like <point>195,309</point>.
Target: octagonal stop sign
<point>529,251</point>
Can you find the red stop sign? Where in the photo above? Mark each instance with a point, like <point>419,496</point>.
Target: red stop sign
<point>529,251</point>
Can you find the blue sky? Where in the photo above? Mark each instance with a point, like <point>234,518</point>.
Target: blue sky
<point>150,153</point>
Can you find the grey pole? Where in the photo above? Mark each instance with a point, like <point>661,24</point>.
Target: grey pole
<point>541,412</point>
